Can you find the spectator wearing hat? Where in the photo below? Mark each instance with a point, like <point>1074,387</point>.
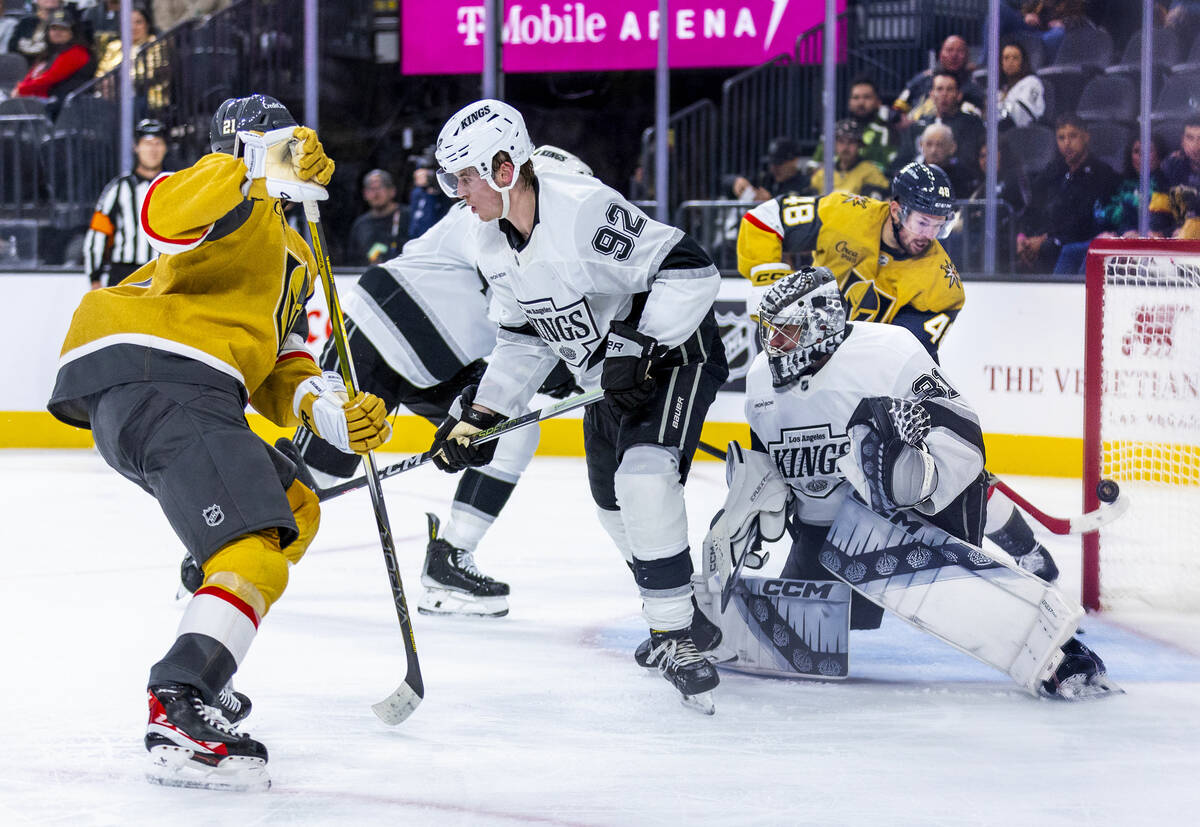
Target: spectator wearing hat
<point>116,244</point>
<point>380,232</point>
<point>784,173</point>
<point>851,172</point>
<point>65,65</point>
<point>29,35</point>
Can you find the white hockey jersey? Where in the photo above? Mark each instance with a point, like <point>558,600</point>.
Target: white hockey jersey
<point>428,317</point>
<point>589,256</point>
<point>803,426</point>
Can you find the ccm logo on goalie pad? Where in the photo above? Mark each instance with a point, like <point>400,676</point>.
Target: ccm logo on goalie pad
<point>571,331</point>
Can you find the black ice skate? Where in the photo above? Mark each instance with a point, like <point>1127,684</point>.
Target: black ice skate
<point>1080,675</point>
<point>192,745</point>
<point>675,655</point>
<point>234,705</point>
<point>453,586</point>
<point>706,635</point>
<point>1038,561</point>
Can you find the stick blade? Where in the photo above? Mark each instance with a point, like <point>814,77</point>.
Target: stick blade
<point>396,708</point>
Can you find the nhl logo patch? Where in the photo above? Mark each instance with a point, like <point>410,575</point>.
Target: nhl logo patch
<point>213,515</point>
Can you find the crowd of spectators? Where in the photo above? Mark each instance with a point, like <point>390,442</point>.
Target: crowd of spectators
<point>1051,210</point>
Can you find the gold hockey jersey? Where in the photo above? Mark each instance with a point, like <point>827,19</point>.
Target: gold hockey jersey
<point>843,232</point>
<point>224,302</point>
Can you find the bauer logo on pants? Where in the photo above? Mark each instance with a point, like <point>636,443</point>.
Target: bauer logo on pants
<point>213,515</point>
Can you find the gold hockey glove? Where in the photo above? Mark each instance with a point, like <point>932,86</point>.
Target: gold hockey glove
<point>309,161</point>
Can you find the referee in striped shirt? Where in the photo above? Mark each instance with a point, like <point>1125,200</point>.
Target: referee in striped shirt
<point>116,244</point>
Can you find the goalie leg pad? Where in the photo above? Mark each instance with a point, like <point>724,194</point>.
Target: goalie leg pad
<point>782,627</point>
<point>964,595</point>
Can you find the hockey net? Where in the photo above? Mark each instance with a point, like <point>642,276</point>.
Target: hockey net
<point>1142,423</point>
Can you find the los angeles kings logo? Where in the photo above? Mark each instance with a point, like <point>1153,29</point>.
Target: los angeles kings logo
<point>570,330</point>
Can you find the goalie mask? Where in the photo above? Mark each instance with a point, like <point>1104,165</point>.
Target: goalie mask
<point>800,319</point>
<point>257,113</point>
<point>471,139</point>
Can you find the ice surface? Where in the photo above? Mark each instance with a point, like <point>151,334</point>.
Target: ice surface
<point>541,717</point>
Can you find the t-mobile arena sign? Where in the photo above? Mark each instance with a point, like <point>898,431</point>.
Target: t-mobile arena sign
<point>446,37</point>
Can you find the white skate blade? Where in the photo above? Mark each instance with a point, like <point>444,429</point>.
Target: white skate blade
<point>701,702</point>
<point>173,766</point>
<point>447,602</point>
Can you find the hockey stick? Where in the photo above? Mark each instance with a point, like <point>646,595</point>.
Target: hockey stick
<point>400,704</point>
<point>493,433</point>
<point>1107,491</point>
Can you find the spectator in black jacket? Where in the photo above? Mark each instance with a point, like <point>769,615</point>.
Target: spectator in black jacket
<point>969,131</point>
<point>914,102</point>
<point>1060,218</point>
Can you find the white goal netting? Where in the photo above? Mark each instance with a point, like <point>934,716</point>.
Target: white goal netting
<point>1149,417</point>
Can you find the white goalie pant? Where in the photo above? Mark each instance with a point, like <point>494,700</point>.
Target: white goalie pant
<point>976,601</point>
<point>652,528</point>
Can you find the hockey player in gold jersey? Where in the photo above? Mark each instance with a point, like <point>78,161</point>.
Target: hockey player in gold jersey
<point>160,369</point>
<point>891,268</point>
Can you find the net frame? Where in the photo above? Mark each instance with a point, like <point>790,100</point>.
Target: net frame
<point>1099,254</point>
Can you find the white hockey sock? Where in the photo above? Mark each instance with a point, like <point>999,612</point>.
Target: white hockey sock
<point>465,529</point>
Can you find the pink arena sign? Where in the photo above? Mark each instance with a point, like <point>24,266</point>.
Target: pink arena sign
<point>445,37</point>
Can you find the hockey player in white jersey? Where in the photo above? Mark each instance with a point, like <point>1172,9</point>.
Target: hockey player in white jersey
<point>834,408</point>
<point>418,330</point>
<point>582,275</point>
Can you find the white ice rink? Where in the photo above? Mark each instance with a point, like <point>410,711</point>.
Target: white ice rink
<point>540,717</point>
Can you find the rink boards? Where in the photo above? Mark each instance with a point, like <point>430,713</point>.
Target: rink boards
<point>1015,351</point>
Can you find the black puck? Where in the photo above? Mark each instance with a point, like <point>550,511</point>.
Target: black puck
<point>1107,491</point>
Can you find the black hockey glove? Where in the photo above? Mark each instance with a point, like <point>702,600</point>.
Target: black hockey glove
<point>451,448</point>
<point>560,383</point>
<point>626,376</point>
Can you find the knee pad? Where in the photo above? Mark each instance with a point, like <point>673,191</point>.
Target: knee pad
<point>651,499</point>
<point>615,526</point>
<point>306,508</point>
<point>513,452</point>
<point>252,568</point>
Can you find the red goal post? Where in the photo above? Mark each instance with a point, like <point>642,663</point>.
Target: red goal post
<point>1142,422</point>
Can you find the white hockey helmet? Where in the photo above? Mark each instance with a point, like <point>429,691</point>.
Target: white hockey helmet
<point>473,136</point>
<point>801,318</point>
<point>547,157</point>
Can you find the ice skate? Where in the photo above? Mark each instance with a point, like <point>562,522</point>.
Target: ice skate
<point>192,745</point>
<point>1038,562</point>
<point>453,585</point>
<point>675,655</point>
<point>234,705</point>
<point>706,635</point>
<point>1080,675</point>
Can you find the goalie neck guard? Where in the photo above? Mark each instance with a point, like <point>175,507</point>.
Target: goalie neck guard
<point>258,113</point>
<point>800,319</point>
<point>473,136</point>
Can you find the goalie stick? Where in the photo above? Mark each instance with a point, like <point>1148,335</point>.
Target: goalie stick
<point>495,432</point>
<point>1107,491</point>
<point>397,706</point>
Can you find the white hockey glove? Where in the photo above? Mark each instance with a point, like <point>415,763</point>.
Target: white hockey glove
<point>888,463</point>
<point>291,160</point>
<point>353,426</point>
<point>755,510</point>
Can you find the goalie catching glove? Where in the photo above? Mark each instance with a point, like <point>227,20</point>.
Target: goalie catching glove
<point>628,361</point>
<point>887,443</point>
<point>452,449</point>
<point>354,426</point>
